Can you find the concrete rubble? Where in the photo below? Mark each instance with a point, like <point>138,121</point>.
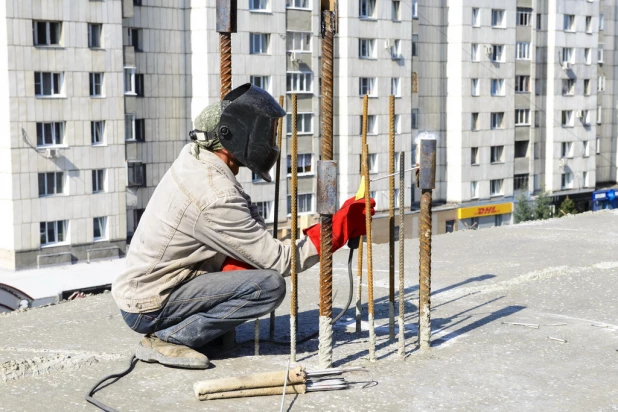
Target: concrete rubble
<point>524,317</point>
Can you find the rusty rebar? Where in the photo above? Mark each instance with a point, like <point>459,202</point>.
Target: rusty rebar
<point>294,212</point>
<point>225,53</point>
<point>326,232</point>
<point>371,312</point>
<point>424,304</point>
<point>402,309</point>
<point>391,218</point>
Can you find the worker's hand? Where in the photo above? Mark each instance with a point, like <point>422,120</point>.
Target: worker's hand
<point>348,223</point>
<point>233,264</point>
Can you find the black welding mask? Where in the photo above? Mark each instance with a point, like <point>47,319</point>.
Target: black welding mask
<point>248,126</point>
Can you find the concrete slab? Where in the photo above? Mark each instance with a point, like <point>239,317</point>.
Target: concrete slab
<point>559,277</point>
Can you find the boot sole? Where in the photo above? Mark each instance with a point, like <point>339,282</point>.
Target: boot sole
<point>151,356</point>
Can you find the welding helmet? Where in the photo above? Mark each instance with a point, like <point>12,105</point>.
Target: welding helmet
<point>246,127</point>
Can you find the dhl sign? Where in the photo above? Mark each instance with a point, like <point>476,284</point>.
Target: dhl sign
<point>486,210</point>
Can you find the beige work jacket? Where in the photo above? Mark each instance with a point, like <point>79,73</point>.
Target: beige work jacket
<point>197,216</point>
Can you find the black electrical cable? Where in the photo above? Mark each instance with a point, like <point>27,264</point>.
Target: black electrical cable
<point>117,376</point>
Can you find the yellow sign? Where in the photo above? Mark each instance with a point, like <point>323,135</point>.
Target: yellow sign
<point>485,210</point>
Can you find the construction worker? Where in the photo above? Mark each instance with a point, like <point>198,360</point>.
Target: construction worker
<point>190,273</point>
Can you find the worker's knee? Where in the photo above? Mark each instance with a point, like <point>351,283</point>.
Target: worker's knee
<point>272,287</point>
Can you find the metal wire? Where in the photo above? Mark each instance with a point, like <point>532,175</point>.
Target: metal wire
<point>391,219</point>
<point>225,52</point>
<point>402,309</point>
<point>294,212</point>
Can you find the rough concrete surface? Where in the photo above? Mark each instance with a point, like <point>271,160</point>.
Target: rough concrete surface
<point>560,277</point>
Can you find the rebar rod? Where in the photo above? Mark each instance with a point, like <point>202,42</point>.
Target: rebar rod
<point>370,303</point>
<point>391,219</point>
<point>294,212</point>
<point>402,309</point>
<point>424,304</point>
<point>271,327</point>
<point>359,287</point>
<point>225,45</point>
<point>325,355</point>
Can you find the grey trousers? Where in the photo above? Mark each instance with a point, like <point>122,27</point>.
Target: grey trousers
<point>209,305</point>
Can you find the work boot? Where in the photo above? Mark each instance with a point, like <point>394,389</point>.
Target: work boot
<point>153,349</point>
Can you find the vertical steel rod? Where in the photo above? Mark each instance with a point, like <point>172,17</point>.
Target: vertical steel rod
<point>402,309</point>
<point>271,327</point>
<point>424,304</point>
<point>325,349</point>
<point>294,212</point>
<point>225,45</point>
<point>371,313</point>
<point>359,308</point>
<point>391,219</point>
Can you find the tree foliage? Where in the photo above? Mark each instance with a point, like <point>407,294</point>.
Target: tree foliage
<point>542,206</point>
<point>523,212</point>
<point>567,207</point>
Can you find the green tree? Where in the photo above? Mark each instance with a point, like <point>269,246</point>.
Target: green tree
<point>542,206</point>
<point>567,207</point>
<point>523,212</point>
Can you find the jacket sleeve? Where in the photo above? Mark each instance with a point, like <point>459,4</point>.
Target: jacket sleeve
<point>228,227</point>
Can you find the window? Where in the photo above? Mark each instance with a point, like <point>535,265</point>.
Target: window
<point>524,16</point>
<point>588,56</point>
<point>538,21</point>
<point>372,158</point>
<point>98,181</point>
<point>476,17</point>
<point>495,187</point>
<point>134,128</point>
<point>304,123</point>
<point>397,156</point>
<point>599,114</point>
<point>537,119</point>
<point>298,41</point>
<point>259,43</point>
<point>367,9</point>
<point>521,149</point>
<point>600,53</point>
<point>497,120</point>
<point>415,9</point>
<point>567,118</point>
<point>589,24</point>
<point>53,232</point>
<point>395,11</point>
<point>601,22</point>
<point>522,84</point>
<point>137,2</point>
<point>97,130</point>
<point>475,121</point>
<point>523,51</point>
<point>497,18</point>
<point>586,87</point>
<point>566,149</point>
<point>476,55</point>
<point>415,119</point>
<point>497,154</point>
<point>299,82</point>
<point>497,53</point>
<point>46,33</point>
<point>397,124</point>
<point>265,209</point>
<point>261,82</point>
<point>520,182</point>
<point>396,86</point>
<point>569,22</point>
<point>96,84</point>
<point>94,35</point>
<point>474,155</point>
<point>475,87</point>
<point>537,87</point>
<point>129,81</point>
<point>367,86</point>
<point>366,48</point>
<point>47,84</point>
<point>134,39</point>
<point>136,174</point>
<point>298,4</point>
<point>497,87</point>
<point>474,189</point>
<point>396,48</point>
<point>303,164</point>
<point>51,183</point>
<point>415,45</point>
<point>568,55</point>
<point>304,202</point>
<point>568,87</point>
<point>259,5</point>
<point>567,180</point>
<point>522,117</point>
<point>49,134</point>
<point>586,148</point>
<point>372,124</point>
<point>99,228</point>
<point>586,179</point>
<point>586,117</point>
<point>598,145</point>
<point>601,83</point>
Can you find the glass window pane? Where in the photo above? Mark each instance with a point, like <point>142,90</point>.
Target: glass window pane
<point>42,184</point>
<point>42,231</point>
<point>59,182</point>
<point>50,178</point>
<point>61,228</point>
<point>50,232</point>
